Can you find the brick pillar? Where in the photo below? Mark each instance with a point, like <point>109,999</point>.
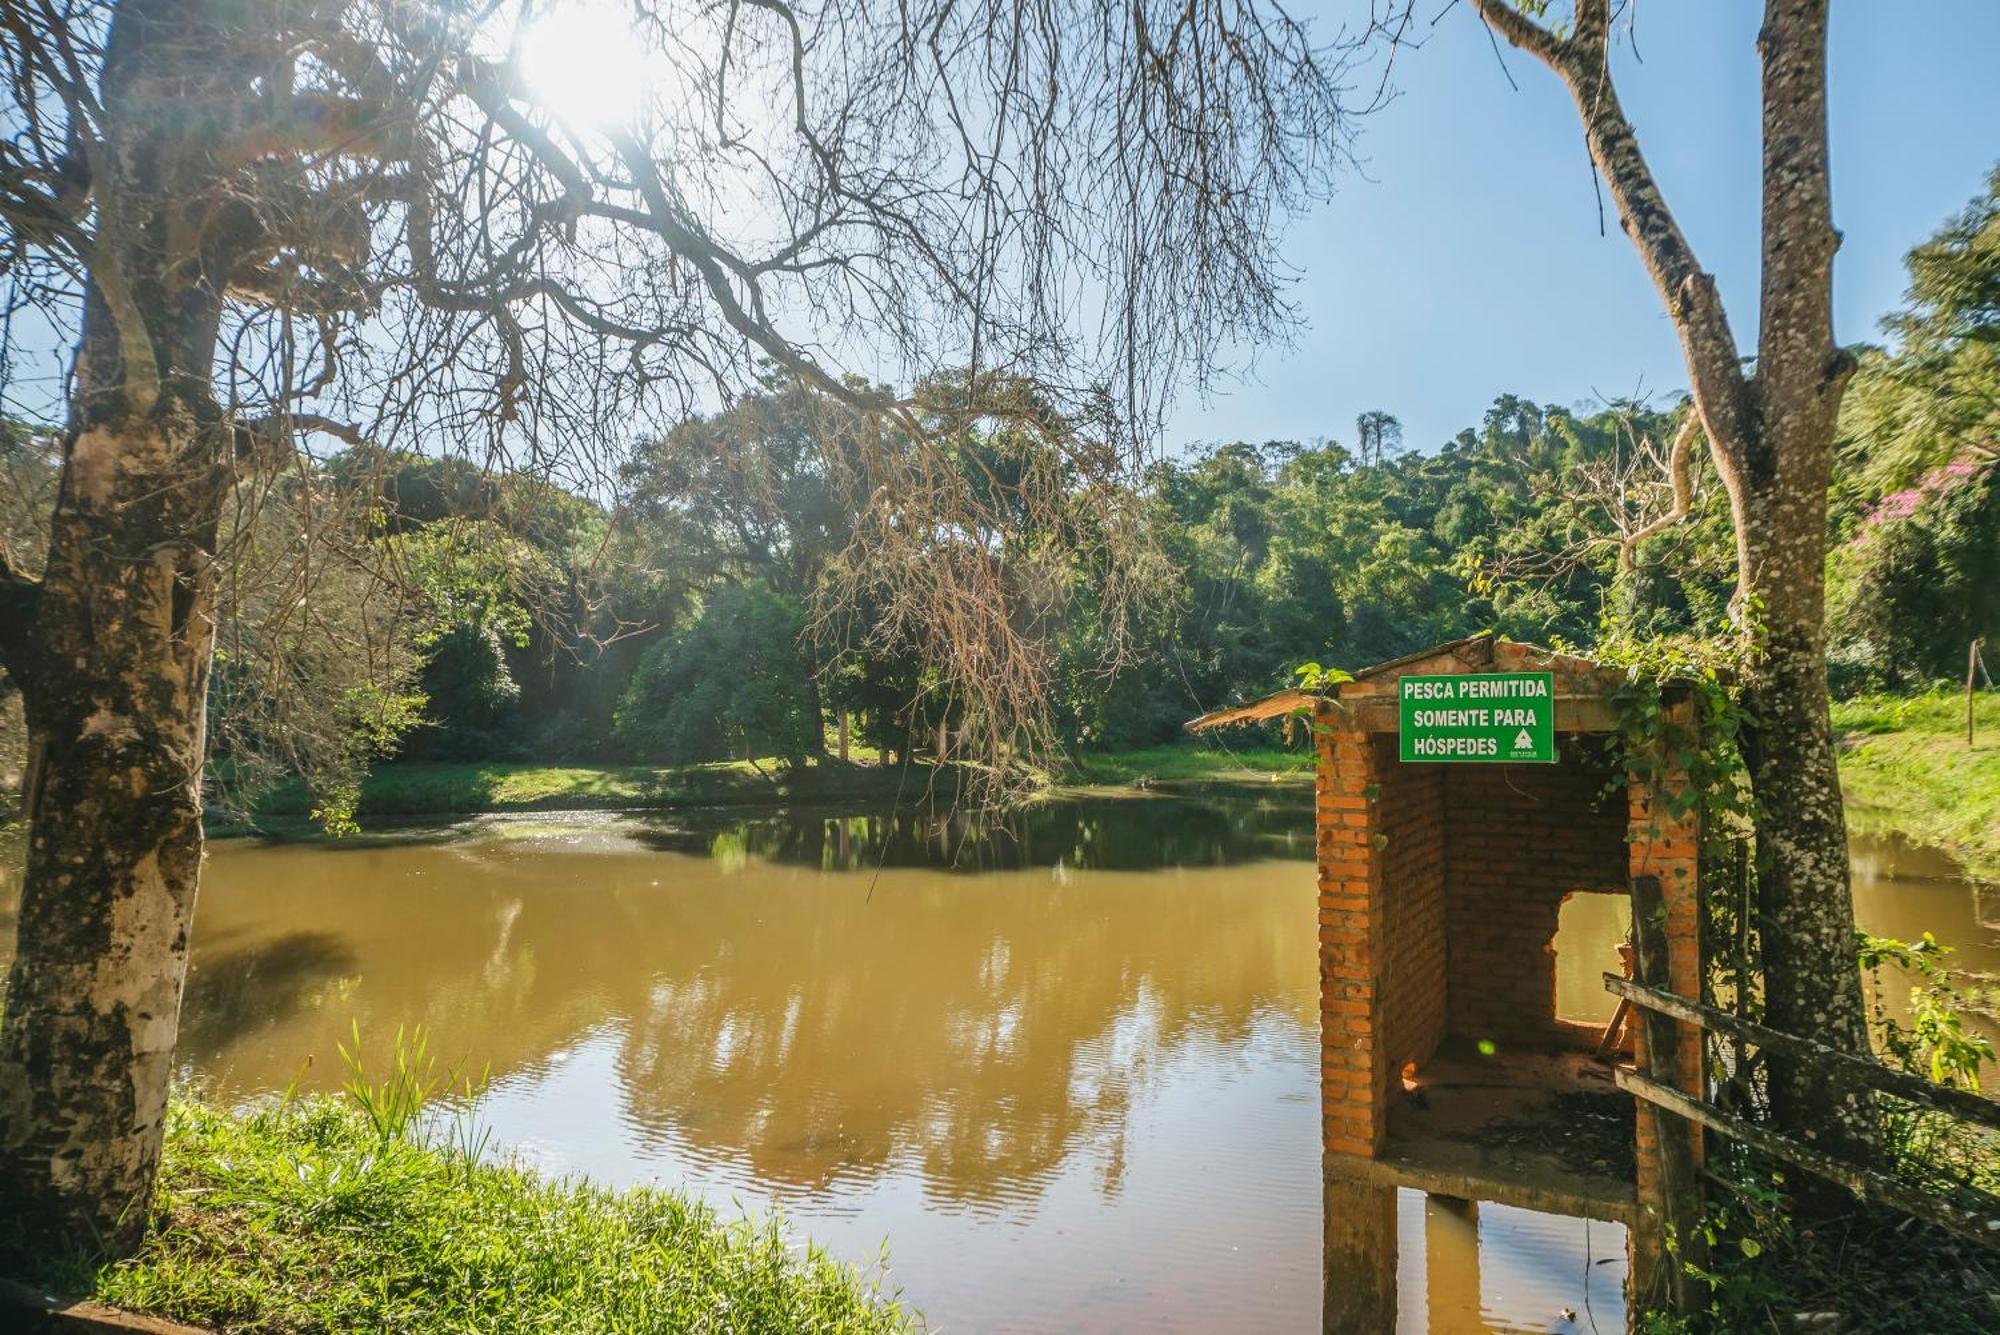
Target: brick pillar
<point>1667,847</point>
<point>1353,1065</point>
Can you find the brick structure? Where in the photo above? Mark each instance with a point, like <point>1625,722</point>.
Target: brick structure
<point>1523,839</point>
<point>1666,847</point>
<point>1440,884</point>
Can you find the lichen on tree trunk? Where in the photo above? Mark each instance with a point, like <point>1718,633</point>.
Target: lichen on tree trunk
<point>111,648</point>
<point>115,684</point>
<point>1805,904</point>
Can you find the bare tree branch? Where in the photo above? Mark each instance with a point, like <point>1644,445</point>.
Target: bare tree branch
<point>1708,346</point>
<point>1679,474</point>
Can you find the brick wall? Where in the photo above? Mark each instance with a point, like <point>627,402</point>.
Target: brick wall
<point>1440,888</point>
<point>1352,1063</point>
<point>1518,840</point>
<point>1410,813</point>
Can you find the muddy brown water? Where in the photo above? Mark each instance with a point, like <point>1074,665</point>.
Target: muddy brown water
<point>1063,1066</point>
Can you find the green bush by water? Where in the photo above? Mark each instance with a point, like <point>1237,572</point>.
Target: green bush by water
<point>375,1211</point>
<point>406,788</point>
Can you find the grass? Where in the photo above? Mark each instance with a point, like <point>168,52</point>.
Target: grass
<point>1192,762</point>
<point>316,1216</point>
<point>1904,765</point>
<point>452,788</point>
<point>411,789</point>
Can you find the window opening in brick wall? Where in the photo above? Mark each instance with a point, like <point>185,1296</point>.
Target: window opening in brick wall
<point>1589,929</point>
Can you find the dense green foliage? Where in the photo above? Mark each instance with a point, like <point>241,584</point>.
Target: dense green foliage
<point>1295,553</point>
<point>734,685</point>
<point>475,617</point>
<point>1544,523</point>
<point>1915,573</point>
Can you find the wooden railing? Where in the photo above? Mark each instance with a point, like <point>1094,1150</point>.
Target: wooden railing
<point>1977,1221</point>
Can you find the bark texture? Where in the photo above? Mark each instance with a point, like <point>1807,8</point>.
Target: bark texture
<point>111,647</point>
<point>120,652</point>
<point>1771,434</point>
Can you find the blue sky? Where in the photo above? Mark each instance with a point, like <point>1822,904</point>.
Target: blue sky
<point>1471,263</point>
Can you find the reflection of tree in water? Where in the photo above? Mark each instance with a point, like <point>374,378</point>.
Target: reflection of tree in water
<point>809,1027</point>
<point>1206,825</point>
<point>244,988</point>
<point>988,1033</point>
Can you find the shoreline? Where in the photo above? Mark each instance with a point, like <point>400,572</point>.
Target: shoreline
<point>406,793</point>
<point>1905,771</point>
<point>1905,768</point>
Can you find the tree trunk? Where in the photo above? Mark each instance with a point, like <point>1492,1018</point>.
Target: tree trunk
<point>117,677</point>
<point>1812,983</point>
<point>1781,475</point>
<point>1812,978</point>
<point>111,648</point>
<point>1771,435</point>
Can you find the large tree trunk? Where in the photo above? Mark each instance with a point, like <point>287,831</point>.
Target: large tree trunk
<point>1771,435</point>
<point>1779,477</point>
<point>117,677</point>
<point>111,648</point>
<point>1812,983</point>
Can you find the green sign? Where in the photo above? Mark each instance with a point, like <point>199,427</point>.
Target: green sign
<point>1492,717</point>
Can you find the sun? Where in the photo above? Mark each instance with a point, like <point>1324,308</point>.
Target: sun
<point>585,63</point>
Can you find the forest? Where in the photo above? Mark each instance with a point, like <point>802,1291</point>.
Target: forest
<point>598,489</point>
<point>701,603</point>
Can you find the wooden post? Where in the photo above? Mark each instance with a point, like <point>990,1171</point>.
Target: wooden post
<point>1981,1226</point>
<point>842,716</point>
<point>1863,1071</point>
<point>1624,1007</point>
<point>1971,668</point>
<point>1679,1202</point>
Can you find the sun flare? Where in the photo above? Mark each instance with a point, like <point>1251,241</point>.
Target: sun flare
<point>586,63</point>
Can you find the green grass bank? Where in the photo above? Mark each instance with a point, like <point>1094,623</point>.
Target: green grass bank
<point>316,1216</point>
<point>1905,766</point>
<point>1190,763</point>
<point>402,789</point>
<point>477,787</point>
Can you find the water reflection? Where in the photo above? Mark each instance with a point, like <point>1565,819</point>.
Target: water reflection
<point>1067,1094</point>
<point>1076,1090</point>
<point>1401,1260</point>
<point>1178,825</point>
<point>1903,891</point>
<point>806,1028</point>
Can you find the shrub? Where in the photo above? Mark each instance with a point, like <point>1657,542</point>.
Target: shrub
<point>734,685</point>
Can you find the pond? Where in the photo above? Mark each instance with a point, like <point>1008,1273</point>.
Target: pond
<point>1063,1065</point>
